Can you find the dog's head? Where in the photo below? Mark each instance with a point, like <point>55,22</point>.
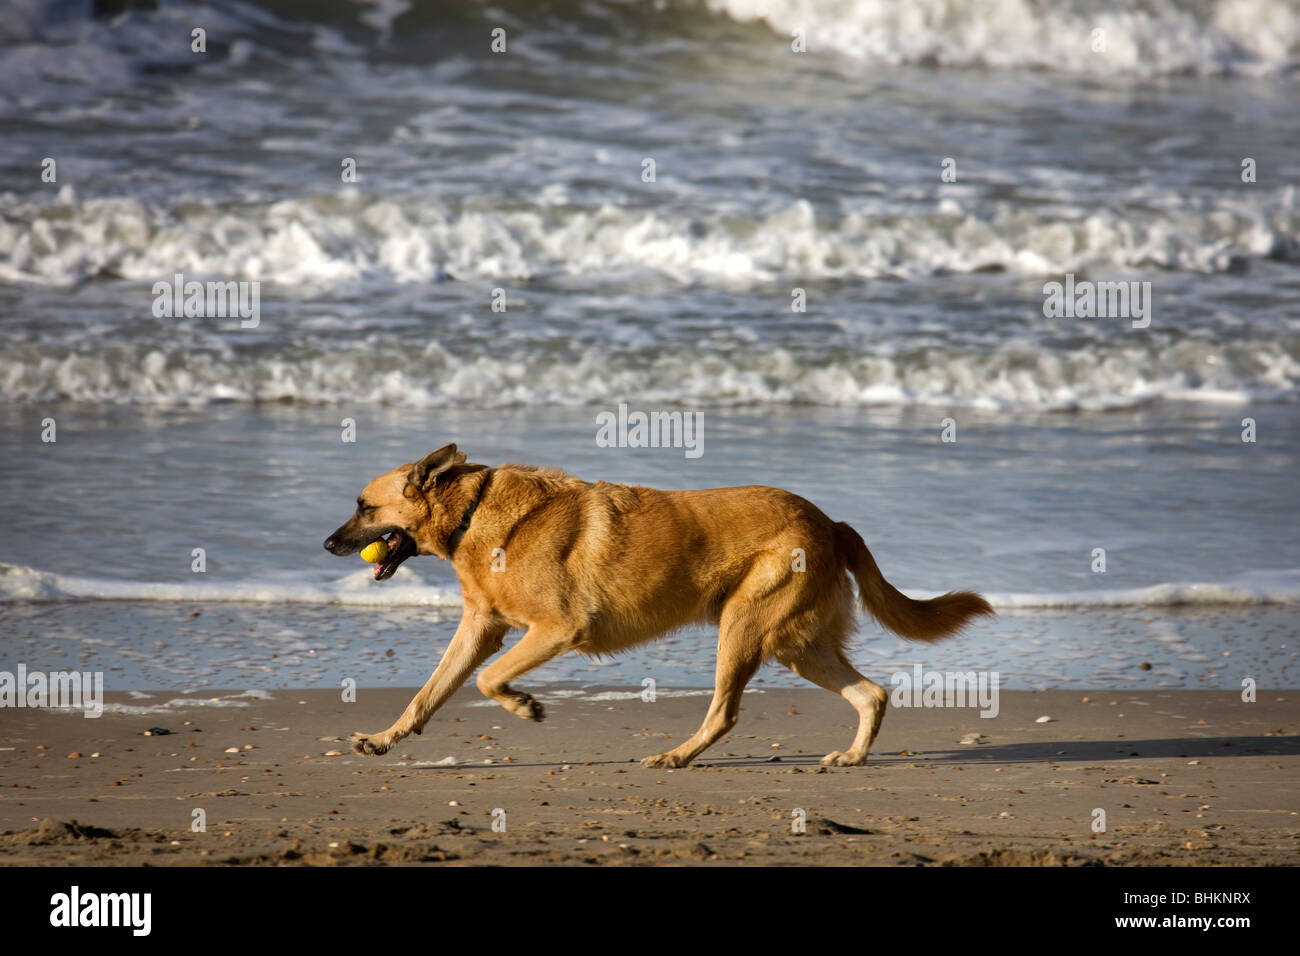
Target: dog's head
<point>404,507</point>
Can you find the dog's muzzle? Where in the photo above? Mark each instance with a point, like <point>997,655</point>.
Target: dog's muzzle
<point>400,547</point>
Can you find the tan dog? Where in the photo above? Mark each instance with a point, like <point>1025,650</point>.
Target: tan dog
<point>596,568</point>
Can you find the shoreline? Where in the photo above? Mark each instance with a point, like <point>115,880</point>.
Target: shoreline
<point>153,646</point>
<point>1183,777</point>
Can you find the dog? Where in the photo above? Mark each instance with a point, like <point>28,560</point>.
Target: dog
<point>599,567</point>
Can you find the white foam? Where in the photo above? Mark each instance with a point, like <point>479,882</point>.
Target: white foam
<point>606,696</point>
<point>325,240</point>
<point>21,583</point>
<point>182,703</point>
<point>1123,374</point>
<point>1141,38</point>
<point>1254,588</point>
<point>1125,371</point>
<point>637,695</point>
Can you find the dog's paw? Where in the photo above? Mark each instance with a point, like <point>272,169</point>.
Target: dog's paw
<point>370,744</point>
<point>668,761</point>
<point>526,706</point>
<point>838,758</point>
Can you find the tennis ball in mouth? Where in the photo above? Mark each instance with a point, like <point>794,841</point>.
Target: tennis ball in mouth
<point>375,551</point>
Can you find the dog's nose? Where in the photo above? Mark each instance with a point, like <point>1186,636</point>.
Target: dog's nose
<point>329,544</point>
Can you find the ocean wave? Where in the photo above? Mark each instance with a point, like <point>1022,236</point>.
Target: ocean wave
<point>67,51</point>
<point>1138,37</point>
<point>1256,589</point>
<point>180,703</point>
<point>48,45</point>
<point>22,583</point>
<point>325,241</point>
<point>481,374</point>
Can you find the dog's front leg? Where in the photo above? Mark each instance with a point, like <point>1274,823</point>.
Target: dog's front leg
<point>476,639</point>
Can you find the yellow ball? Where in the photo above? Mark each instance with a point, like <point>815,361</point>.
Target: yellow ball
<point>375,551</point>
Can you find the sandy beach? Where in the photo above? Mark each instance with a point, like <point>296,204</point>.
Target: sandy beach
<point>1185,778</point>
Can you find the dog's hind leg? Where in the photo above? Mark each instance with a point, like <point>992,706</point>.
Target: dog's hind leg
<point>824,664</point>
<point>538,645</point>
<point>477,638</point>
<point>739,655</point>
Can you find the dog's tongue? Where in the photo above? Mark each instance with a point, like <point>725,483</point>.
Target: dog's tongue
<point>394,540</point>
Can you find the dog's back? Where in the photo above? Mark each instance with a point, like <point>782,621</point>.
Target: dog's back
<point>623,564</point>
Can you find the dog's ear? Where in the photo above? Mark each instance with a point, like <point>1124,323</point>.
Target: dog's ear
<point>426,471</point>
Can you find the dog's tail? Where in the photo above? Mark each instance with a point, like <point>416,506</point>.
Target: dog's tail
<point>930,620</point>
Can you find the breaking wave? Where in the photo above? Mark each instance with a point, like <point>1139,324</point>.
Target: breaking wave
<point>21,583</point>
<point>329,240</point>
<point>1137,37</point>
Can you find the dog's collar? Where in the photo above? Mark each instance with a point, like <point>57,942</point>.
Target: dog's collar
<point>453,540</point>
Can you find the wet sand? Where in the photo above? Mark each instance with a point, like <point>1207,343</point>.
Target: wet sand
<point>1183,777</point>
